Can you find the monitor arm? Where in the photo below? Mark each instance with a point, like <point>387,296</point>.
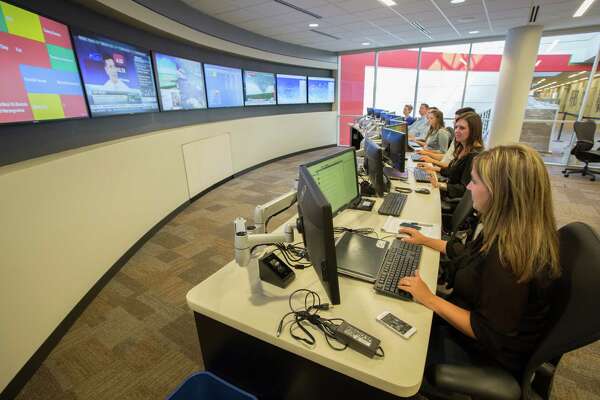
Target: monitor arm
<point>244,241</point>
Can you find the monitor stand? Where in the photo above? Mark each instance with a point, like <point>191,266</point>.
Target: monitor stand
<point>360,256</point>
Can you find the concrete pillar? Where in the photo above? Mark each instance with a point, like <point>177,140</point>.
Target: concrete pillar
<point>516,73</point>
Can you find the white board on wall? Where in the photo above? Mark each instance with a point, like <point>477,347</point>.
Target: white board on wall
<point>207,161</point>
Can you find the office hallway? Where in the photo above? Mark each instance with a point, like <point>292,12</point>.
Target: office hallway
<point>137,338</point>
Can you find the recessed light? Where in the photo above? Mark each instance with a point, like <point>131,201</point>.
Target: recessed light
<point>388,3</point>
<point>473,32</point>
<point>313,25</point>
<point>583,8</point>
<point>366,43</point>
<point>457,1</point>
<point>538,62</point>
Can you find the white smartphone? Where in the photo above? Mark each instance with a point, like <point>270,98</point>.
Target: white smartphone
<point>396,324</point>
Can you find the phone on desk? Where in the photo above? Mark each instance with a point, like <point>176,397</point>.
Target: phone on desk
<point>396,324</point>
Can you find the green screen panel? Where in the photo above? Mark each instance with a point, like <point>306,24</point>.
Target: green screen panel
<point>61,58</point>
<point>22,23</point>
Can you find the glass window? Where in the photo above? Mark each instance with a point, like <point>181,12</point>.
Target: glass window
<point>396,79</point>
<point>442,77</point>
<point>557,90</point>
<point>356,90</point>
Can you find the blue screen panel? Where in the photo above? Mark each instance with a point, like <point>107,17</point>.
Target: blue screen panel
<point>291,89</point>
<point>321,90</point>
<point>117,77</point>
<point>180,83</point>
<point>223,86</point>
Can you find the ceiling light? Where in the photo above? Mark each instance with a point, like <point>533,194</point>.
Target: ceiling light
<point>388,3</point>
<point>538,62</point>
<point>576,74</point>
<point>366,43</point>
<point>313,25</point>
<point>473,32</point>
<point>457,1</point>
<point>583,8</point>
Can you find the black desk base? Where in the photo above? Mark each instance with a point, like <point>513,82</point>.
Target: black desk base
<point>269,372</point>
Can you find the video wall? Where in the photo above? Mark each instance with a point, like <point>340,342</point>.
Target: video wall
<point>46,75</point>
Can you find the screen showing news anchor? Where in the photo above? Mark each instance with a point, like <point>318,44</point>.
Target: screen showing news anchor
<point>321,90</point>
<point>259,88</point>
<point>181,83</point>
<point>291,89</point>
<point>223,86</point>
<point>117,77</point>
<point>39,79</point>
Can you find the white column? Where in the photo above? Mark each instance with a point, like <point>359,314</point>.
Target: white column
<point>516,73</point>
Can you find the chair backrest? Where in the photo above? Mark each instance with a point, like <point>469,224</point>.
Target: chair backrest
<point>575,316</point>
<point>585,130</point>
<point>463,209</point>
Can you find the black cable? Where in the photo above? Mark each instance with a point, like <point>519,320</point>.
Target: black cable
<point>277,213</point>
<point>312,304</point>
<point>358,231</point>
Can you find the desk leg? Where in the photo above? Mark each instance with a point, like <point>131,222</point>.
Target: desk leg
<point>270,372</point>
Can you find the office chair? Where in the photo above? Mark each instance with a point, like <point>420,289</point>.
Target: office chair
<point>584,131</point>
<point>455,211</point>
<point>574,324</point>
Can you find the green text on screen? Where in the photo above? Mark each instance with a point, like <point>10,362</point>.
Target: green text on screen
<point>336,178</point>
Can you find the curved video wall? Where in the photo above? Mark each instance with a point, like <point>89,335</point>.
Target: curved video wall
<point>69,86</point>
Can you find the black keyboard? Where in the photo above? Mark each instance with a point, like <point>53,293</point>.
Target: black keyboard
<point>416,157</point>
<point>421,175</point>
<point>402,259</point>
<point>393,203</point>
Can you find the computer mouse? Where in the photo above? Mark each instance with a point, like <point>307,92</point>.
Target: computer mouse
<point>422,191</point>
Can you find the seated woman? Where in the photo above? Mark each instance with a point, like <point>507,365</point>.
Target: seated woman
<point>468,143</point>
<point>499,309</point>
<point>438,137</point>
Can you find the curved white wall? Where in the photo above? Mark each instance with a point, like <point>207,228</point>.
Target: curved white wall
<point>67,218</point>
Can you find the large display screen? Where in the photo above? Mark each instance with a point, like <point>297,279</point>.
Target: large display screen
<point>117,77</point>
<point>223,86</point>
<point>180,83</point>
<point>321,90</point>
<point>259,88</point>
<point>38,72</point>
<point>291,89</point>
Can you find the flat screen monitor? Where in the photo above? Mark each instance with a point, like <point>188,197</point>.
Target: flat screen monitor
<point>224,86</point>
<point>337,178</point>
<point>39,79</point>
<point>377,112</point>
<point>321,90</point>
<point>117,77</point>
<point>291,89</point>
<point>314,212</point>
<point>180,83</point>
<point>259,88</point>
<point>393,144</point>
<point>370,111</point>
<point>374,166</point>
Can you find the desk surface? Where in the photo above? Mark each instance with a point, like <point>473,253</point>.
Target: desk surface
<point>236,296</point>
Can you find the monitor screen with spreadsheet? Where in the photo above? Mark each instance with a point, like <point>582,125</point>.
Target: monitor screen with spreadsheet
<point>336,177</point>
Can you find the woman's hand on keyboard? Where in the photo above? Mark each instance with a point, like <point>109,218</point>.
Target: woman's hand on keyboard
<point>433,179</point>
<point>414,236</point>
<point>415,286</point>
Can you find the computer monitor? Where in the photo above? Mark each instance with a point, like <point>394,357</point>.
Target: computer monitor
<point>336,177</point>
<point>370,111</point>
<point>394,147</point>
<point>374,166</point>
<point>377,112</point>
<point>316,222</point>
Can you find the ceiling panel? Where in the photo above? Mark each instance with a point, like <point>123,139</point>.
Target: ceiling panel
<point>357,21</point>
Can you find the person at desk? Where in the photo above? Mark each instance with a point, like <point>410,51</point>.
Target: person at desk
<point>443,159</point>
<point>406,113</point>
<point>420,126</point>
<point>468,144</point>
<point>499,309</point>
<point>438,137</point>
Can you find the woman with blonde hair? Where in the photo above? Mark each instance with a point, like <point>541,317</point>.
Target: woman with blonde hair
<point>438,137</point>
<point>499,308</point>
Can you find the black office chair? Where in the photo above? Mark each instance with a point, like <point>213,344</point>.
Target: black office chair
<point>574,325</point>
<point>584,131</point>
<point>452,219</point>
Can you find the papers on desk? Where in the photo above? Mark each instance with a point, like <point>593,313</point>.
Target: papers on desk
<point>392,225</point>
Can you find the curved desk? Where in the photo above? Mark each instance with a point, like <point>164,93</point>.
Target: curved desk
<point>237,317</point>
